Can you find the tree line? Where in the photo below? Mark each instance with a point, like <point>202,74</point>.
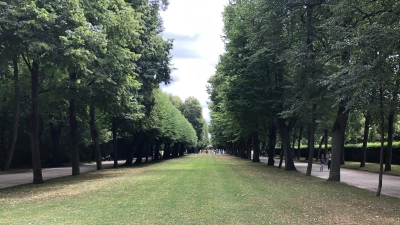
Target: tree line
<point>77,74</point>
<point>315,64</point>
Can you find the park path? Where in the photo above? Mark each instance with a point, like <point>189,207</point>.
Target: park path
<point>357,178</point>
<point>10,180</point>
<point>361,179</point>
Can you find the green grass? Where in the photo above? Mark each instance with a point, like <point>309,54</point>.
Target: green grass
<point>199,189</point>
<point>370,167</point>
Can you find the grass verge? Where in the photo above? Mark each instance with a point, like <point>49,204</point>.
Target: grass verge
<point>369,167</point>
<point>196,189</point>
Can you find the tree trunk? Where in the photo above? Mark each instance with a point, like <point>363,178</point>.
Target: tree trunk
<point>157,151</point>
<point>41,130</point>
<point>167,151</point>
<point>73,123</point>
<point>175,150</point>
<point>378,192</point>
<point>236,149</point>
<point>271,144</point>
<point>137,139</point>
<point>148,149</point>
<point>95,135</point>
<point>326,142</point>
<point>249,147</point>
<point>16,115</point>
<point>388,161</point>
<point>308,143</point>
<point>343,153</point>
<point>284,130</point>
<point>311,140</point>
<point>140,150</point>
<point>365,140</point>
<point>182,149</point>
<point>34,122</point>
<point>3,125</point>
<point>293,141</point>
<point>243,147</point>
<point>281,157</point>
<point>55,135</point>
<point>299,143</point>
<point>256,147</point>
<point>338,132</point>
<point>114,141</point>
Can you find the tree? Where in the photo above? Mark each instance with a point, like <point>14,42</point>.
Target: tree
<point>192,111</point>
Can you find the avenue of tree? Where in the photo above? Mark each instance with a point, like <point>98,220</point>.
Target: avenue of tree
<point>313,68</point>
<point>79,74</point>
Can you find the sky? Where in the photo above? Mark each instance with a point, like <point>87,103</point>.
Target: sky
<point>196,27</point>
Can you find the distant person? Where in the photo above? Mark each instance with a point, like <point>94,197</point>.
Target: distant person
<point>329,158</point>
<point>322,160</point>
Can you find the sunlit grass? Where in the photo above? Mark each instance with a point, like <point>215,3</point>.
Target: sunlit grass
<point>196,189</point>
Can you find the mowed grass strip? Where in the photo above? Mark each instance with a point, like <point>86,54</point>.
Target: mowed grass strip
<point>372,167</point>
<point>195,189</point>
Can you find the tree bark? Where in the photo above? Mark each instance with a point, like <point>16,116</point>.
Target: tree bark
<point>34,122</point>
<point>281,154</point>
<point>388,161</point>
<point>175,150</point>
<point>256,147</point>
<point>271,144</point>
<point>312,136</point>
<point>365,140</point>
<point>308,143</point>
<point>73,124</point>
<point>326,142</point>
<point>114,141</point>
<point>167,152</point>
<point>293,141</point>
<point>182,149</point>
<point>140,150</point>
<point>3,120</point>
<point>242,146</point>
<point>284,130</point>
<point>378,192</point>
<point>149,147</point>
<point>16,115</point>
<point>157,151</point>
<point>249,147</point>
<point>338,132</point>
<point>95,136</point>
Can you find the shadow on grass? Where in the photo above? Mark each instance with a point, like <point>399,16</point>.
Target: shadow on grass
<point>55,184</point>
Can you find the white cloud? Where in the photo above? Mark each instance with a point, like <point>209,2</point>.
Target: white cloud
<point>196,27</point>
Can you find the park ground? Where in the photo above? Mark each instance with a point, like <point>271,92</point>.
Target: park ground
<point>195,189</point>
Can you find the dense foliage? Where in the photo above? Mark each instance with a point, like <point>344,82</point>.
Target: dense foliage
<point>311,66</point>
<point>79,77</point>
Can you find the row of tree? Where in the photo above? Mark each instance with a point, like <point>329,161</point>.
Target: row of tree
<point>305,64</point>
<point>91,68</point>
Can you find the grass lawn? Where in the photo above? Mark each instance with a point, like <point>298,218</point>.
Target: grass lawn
<point>195,189</point>
<point>370,167</point>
